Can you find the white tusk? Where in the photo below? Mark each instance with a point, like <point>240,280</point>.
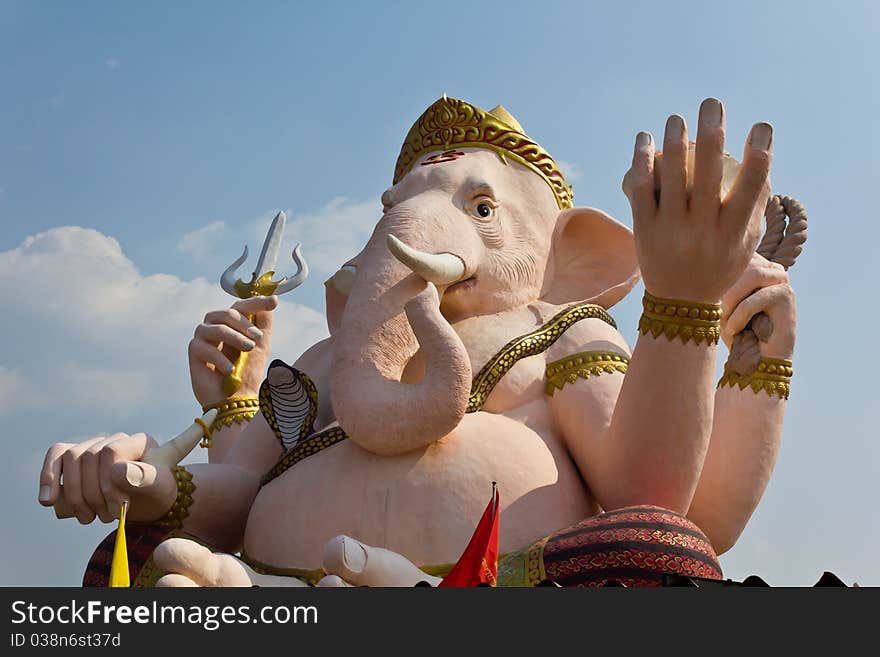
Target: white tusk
<point>343,280</point>
<point>438,268</point>
<point>176,449</point>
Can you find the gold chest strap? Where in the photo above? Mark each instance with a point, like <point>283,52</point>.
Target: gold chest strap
<point>484,382</point>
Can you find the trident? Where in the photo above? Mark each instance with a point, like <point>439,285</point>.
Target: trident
<point>261,284</point>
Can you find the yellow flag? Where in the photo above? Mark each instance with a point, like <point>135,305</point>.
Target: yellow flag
<point>119,564</point>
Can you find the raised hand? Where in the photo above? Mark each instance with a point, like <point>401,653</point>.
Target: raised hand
<point>217,342</point>
<point>693,244</point>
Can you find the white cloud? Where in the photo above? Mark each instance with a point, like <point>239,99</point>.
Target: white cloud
<point>16,392</point>
<point>106,337</point>
<point>200,243</point>
<point>570,170</point>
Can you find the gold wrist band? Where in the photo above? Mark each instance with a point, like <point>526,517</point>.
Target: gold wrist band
<point>180,510</point>
<point>583,364</point>
<point>233,411</point>
<point>206,440</point>
<point>773,376</point>
<point>686,320</point>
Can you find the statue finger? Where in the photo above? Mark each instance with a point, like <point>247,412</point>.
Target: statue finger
<point>216,333</point>
<point>751,306</point>
<point>332,581</point>
<point>199,564</point>
<point>187,558</point>
<point>91,481</point>
<point>754,278</point>
<point>234,320</point>
<point>50,475</point>
<point>202,353</point>
<point>175,581</point>
<point>255,305</point>
<point>119,448</point>
<point>708,159</point>
<point>364,565</point>
<point>751,184</point>
<point>72,490</point>
<point>639,185</point>
<point>673,176</point>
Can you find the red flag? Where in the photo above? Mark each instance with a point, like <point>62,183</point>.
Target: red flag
<point>479,562</point>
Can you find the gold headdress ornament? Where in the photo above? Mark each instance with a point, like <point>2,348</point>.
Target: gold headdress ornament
<point>453,123</point>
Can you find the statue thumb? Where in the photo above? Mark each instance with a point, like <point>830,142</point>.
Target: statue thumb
<point>139,479</point>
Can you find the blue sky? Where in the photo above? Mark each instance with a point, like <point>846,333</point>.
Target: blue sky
<point>142,144</point>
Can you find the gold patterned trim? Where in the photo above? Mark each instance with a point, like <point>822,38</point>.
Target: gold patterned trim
<point>451,122</point>
<point>686,320</point>
<point>773,376</point>
<point>180,510</point>
<point>309,576</point>
<point>484,382</point>
<point>530,344</point>
<point>524,568</point>
<point>583,364</point>
<point>233,411</point>
<point>307,447</point>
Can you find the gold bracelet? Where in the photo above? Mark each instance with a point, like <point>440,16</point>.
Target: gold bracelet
<point>234,411</point>
<point>687,320</point>
<point>583,364</point>
<point>206,430</point>
<point>180,510</point>
<point>773,376</point>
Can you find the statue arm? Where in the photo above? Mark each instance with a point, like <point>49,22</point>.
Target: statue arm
<point>746,435</point>
<point>639,438</point>
<point>747,427</point>
<point>225,491</point>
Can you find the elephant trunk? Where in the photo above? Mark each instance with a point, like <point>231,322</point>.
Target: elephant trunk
<point>390,313</point>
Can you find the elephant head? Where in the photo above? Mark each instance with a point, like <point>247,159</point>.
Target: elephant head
<point>478,221</point>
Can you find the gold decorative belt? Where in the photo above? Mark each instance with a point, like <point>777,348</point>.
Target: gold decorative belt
<point>484,382</point>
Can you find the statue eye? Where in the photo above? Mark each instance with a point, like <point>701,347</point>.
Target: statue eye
<point>482,206</point>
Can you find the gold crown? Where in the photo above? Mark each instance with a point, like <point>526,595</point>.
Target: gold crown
<point>451,122</point>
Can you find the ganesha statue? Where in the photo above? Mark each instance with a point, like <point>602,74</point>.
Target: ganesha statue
<point>470,343</point>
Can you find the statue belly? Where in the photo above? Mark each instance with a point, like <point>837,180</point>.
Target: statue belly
<point>424,504</point>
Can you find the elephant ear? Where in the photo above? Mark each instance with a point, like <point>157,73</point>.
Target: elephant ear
<point>592,259</point>
<point>336,289</point>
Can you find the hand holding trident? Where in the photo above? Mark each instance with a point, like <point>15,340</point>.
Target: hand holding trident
<point>261,284</point>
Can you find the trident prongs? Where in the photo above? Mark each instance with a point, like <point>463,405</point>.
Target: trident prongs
<point>261,284</point>
<point>302,273</point>
<point>227,279</point>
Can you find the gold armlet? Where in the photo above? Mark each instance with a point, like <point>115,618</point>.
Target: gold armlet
<point>232,411</point>
<point>180,510</point>
<point>583,364</point>
<point>686,320</point>
<point>773,376</point>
